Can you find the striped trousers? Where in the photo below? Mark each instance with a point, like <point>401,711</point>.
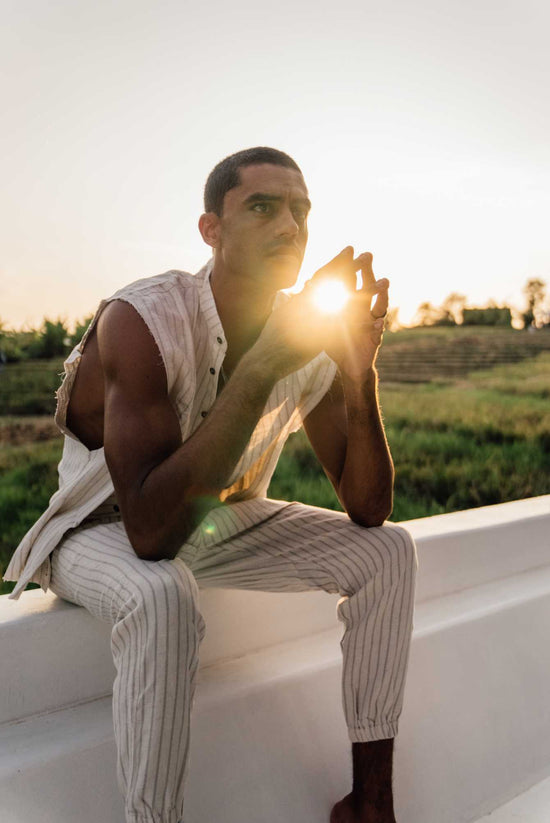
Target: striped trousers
<point>157,626</point>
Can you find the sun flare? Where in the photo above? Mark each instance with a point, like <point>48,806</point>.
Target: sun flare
<point>330,296</point>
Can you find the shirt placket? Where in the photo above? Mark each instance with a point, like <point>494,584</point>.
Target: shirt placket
<point>218,350</point>
<point>218,343</point>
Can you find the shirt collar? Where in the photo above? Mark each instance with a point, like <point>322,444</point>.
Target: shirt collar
<point>208,305</point>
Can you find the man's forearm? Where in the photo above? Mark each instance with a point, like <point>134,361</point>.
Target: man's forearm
<point>366,481</point>
<point>177,493</point>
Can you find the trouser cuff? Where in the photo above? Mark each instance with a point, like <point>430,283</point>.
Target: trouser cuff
<point>380,731</point>
<point>169,816</point>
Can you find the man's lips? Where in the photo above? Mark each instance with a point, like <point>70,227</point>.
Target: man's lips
<point>285,251</point>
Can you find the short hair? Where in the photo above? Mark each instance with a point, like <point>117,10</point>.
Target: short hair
<point>225,175</point>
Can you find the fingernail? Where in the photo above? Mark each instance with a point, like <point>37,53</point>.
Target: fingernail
<point>382,282</point>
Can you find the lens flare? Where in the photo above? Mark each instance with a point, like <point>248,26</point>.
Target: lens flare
<point>330,296</point>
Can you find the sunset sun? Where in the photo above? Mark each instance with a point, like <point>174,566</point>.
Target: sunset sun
<point>330,296</point>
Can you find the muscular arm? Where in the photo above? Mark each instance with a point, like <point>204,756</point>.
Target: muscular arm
<point>345,429</point>
<point>165,486</point>
<point>347,434</point>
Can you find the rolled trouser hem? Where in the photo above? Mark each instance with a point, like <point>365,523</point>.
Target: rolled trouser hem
<point>382,731</point>
<point>169,816</point>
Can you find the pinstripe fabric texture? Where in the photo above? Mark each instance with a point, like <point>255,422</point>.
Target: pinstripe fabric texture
<point>157,627</point>
<point>180,312</point>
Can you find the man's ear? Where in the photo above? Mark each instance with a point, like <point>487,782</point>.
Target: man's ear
<point>209,227</point>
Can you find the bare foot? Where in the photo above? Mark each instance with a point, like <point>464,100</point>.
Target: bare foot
<point>347,811</point>
<point>343,812</point>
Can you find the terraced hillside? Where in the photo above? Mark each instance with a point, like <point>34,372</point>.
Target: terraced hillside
<point>427,354</point>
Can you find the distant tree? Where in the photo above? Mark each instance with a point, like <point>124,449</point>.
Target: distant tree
<point>426,315</point>
<point>489,316</point>
<point>17,345</point>
<point>392,319</point>
<point>52,341</point>
<point>444,318</point>
<point>3,355</point>
<point>535,292</point>
<point>453,305</point>
<point>79,330</point>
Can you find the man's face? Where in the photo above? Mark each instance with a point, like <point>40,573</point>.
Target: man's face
<point>263,227</point>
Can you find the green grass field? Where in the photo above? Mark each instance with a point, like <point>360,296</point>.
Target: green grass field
<point>480,439</point>
<point>28,478</point>
<point>29,387</point>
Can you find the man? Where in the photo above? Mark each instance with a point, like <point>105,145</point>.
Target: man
<point>175,408</point>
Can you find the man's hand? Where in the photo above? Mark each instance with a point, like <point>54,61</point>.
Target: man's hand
<point>291,337</point>
<point>355,333</point>
<point>298,331</point>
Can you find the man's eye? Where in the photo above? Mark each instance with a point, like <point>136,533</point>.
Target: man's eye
<point>262,208</point>
<point>300,215</point>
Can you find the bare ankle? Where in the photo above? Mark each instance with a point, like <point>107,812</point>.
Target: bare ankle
<point>372,794</point>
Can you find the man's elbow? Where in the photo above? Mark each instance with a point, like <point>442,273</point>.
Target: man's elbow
<point>370,516</point>
<point>155,543</point>
<point>154,538</point>
<point>370,521</point>
<point>147,547</point>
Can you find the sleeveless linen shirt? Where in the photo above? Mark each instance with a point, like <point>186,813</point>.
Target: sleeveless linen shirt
<point>180,313</point>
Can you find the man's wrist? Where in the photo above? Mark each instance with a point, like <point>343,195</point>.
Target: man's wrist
<point>260,369</point>
<point>360,383</point>
<point>269,362</point>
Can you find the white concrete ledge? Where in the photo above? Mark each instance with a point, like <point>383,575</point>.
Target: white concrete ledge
<point>476,722</point>
<point>464,549</point>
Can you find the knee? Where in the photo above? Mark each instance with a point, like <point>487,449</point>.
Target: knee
<point>388,550</point>
<point>402,547</point>
<point>165,591</point>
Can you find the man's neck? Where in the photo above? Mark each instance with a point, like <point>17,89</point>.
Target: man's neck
<point>242,310</point>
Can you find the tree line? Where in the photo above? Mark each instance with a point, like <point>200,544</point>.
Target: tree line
<point>55,339</point>
<point>52,339</point>
<point>454,310</point>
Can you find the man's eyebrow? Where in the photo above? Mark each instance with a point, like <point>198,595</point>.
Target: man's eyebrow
<point>262,197</point>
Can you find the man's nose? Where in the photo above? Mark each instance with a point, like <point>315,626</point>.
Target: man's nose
<point>288,224</point>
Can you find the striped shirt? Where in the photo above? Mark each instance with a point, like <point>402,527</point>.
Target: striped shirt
<point>180,312</point>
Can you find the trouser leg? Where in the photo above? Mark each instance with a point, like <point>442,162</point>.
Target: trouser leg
<point>378,620</point>
<point>295,548</point>
<point>152,607</point>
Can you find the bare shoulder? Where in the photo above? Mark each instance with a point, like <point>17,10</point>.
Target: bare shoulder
<point>139,417</point>
<point>128,351</point>
<point>141,427</point>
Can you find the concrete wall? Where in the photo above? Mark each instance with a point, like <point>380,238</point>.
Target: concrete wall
<point>268,722</point>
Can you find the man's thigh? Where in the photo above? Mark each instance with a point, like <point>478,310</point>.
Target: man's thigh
<point>275,546</point>
<point>96,567</point>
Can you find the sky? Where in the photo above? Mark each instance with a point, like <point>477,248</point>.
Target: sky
<point>422,129</point>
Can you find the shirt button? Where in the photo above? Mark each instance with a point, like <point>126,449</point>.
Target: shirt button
<point>204,413</point>
<point>212,370</point>
<point>116,508</point>
<point>219,339</point>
